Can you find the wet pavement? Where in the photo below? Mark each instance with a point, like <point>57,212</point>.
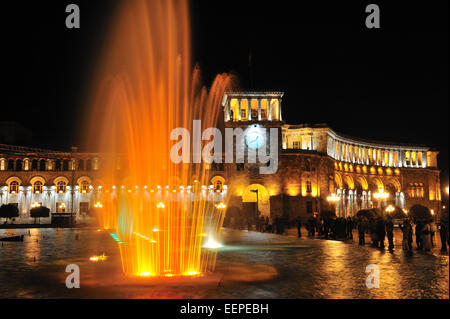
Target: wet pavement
<point>250,265</point>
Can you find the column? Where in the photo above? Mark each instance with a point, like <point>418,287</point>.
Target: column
<point>239,115</point>
<point>269,110</point>
<point>259,109</point>
<point>279,109</point>
<point>249,109</point>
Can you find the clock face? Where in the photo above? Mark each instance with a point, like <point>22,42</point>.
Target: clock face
<point>255,138</point>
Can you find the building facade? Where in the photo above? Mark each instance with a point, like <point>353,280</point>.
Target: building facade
<point>318,169</point>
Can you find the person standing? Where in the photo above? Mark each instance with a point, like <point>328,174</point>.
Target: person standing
<point>380,231</point>
<point>443,229</point>
<point>362,231</point>
<point>298,222</point>
<point>407,235</point>
<point>349,228</point>
<point>426,237</point>
<point>390,232</point>
<point>419,241</point>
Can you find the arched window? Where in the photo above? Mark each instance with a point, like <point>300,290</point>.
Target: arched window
<point>37,187</point>
<point>274,113</point>
<point>42,165</point>
<point>254,109</point>
<point>14,187</point>
<point>81,165</point>
<point>218,186</point>
<point>264,109</point>
<point>244,109</point>
<point>84,187</point>
<point>34,165</point>
<point>234,110</point>
<point>61,187</point>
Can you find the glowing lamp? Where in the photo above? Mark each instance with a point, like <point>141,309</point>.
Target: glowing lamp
<point>381,195</point>
<point>333,198</point>
<point>160,205</point>
<point>390,209</point>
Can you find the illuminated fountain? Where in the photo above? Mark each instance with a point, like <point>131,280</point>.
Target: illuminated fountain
<point>161,213</point>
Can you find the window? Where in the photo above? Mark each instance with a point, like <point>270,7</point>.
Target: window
<point>84,187</point>
<point>218,186</point>
<point>254,109</point>
<point>10,165</point>
<point>18,165</point>
<point>14,187</point>
<point>216,166</point>
<point>37,187</point>
<point>240,166</point>
<point>308,187</point>
<point>88,165</point>
<point>244,109</point>
<point>234,110</point>
<point>34,165</point>
<point>296,144</point>
<point>274,107</point>
<point>42,165</point>
<point>58,165</point>
<point>264,107</point>
<point>61,187</point>
<point>243,114</point>
<point>81,165</point>
<point>65,165</point>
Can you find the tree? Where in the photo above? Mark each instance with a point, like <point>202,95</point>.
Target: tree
<point>9,211</point>
<point>40,211</point>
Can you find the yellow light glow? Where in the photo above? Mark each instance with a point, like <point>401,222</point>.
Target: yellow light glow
<point>390,209</point>
<point>221,205</point>
<point>333,198</point>
<point>212,244</point>
<point>381,194</point>
<point>98,205</point>
<point>145,273</point>
<point>191,273</point>
<point>160,205</point>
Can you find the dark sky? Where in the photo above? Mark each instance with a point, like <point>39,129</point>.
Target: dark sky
<point>388,84</point>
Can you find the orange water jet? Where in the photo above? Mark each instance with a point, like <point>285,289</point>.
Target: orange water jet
<point>147,87</point>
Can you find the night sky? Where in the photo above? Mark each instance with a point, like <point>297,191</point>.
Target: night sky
<point>388,84</point>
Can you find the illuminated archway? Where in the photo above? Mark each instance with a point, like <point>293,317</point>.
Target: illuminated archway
<point>338,180</point>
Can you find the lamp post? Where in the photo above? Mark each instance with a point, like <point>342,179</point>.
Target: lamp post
<point>257,199</point>
<point>333,198</point>
<point>381,196</point>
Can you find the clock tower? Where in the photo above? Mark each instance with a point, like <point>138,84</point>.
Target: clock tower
<point>255,113</point>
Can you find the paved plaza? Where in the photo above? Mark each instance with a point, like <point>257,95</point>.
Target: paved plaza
<point>250,265</point>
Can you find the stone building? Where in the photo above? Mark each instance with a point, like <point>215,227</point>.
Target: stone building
<point>317,169</point>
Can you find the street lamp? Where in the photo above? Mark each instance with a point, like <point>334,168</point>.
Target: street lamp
<point>333,198</point>
<point>381,196</point>
<point>390,209</point>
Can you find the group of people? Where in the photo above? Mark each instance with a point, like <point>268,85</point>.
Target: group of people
<point>379,230</point>
<point>325,226</point>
